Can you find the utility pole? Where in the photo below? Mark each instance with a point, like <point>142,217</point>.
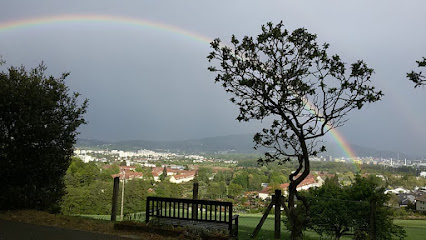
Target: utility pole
<point>122,194</point>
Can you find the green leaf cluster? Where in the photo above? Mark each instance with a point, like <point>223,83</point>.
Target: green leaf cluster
<point>39,118</point>
<point>337,210</point>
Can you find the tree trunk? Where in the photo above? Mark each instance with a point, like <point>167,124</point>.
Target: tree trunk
<point>293,219</point>
<point>295,226</point>
<point>298,222</point>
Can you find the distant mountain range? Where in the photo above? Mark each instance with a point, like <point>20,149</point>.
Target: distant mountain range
<point>227,144</point>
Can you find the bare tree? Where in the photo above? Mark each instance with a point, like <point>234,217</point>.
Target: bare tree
<point>417,77</point>
<point>290,78</point>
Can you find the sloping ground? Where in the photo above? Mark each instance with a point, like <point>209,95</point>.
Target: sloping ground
<point>416,229</point>
<point>76,223</point>
<point>20,230</point>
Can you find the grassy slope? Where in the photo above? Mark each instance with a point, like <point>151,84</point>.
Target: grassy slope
<point>416,229</point>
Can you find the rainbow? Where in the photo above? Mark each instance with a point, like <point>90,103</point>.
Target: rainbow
<point>135,22</point>
<point>33,22</point>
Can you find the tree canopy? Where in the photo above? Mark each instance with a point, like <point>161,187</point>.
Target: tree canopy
<point>288,78</point>
<point>39,118</point>
<point>417,77</point>
<point>337,210</point>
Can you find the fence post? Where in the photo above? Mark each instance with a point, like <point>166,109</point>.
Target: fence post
<point>262,220</point>
<point>195,197</point>
<point>277,214</point>
<point>115,198</point>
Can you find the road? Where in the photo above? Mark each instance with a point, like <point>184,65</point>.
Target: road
<point>10,230</point>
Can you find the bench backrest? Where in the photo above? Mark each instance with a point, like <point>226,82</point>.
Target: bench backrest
<point>191,209</point>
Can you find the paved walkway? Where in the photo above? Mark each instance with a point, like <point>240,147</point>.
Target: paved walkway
<point>10,230</point>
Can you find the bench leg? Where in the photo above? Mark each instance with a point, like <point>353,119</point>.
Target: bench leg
<point>236,228</point>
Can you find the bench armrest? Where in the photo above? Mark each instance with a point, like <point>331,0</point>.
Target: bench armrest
<point>235,217</point>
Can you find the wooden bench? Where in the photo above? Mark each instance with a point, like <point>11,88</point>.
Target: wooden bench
<point>190,212</point>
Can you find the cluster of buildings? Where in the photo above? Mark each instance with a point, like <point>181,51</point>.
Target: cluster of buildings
<point>143,157</point>
<point>309,182</point>
<point>372,161</point>
<point>416,197</point>
<point>118,155</point>
<point>176,173</point>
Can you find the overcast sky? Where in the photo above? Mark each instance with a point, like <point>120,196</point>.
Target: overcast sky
<point>144,83</point>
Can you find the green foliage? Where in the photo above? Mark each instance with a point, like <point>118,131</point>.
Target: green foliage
<point>135,193</point>
<point>215,190</point>
<point>329,209</point>
<point>241,178</point>
<point>204,174</point>
<point>255,181</point>
<point>147,173</point>
<point>277,177</point>
<point>225,176</point>
<point>163,176</point>
<point>81,174</point>
<point>335,210</point>
<point>235,190</point>
<point>38,122</point>
<point>89,192</point>
<point>88,199</point>
<point>106,173</point>
<point>168,189</point>
<point>417,77</point>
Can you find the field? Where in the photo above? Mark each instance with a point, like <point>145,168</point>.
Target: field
<point>416,229</point>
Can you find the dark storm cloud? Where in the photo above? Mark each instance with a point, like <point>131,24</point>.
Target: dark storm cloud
<point>148,84</point>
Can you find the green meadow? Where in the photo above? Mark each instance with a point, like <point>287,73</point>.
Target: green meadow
<point>416,229</point>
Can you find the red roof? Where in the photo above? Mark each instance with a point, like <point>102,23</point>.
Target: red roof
<point>185,175</point>
<point>127,168</point>
<point>307,181</point>
<point>129,175</point>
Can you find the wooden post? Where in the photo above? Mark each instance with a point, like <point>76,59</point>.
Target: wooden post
<point>277,214</point>
<point>195,191</point>
<point>373,206</point>
<point>262,220</point>
<point>148,209</point>
<point>195,197</point>
<point>115,198</point>
<point>230,219</point>
<point>122,195</point>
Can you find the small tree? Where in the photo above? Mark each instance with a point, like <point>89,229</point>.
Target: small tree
<point>417,77</point>
<point>290,79</point>
<point>38,123</point>
<point>329,209</point>
<point>337,210</point>
<point>163,176</point>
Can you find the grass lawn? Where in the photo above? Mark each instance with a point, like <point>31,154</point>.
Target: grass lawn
<point>247,224</point>
<point>416,229</point>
